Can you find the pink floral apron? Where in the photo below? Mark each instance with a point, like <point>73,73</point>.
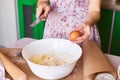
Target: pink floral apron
<point>65,16</point>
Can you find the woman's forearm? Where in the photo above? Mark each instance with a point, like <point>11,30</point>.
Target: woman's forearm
<point>93,12</point>
<point>43,0</point>
<point>92,18</point>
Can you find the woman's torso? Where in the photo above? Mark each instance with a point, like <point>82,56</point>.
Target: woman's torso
<point>66,15</point>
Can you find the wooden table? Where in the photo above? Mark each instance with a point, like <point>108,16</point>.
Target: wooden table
<point>14,54</point>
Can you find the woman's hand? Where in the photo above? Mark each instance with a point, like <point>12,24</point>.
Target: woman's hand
<point>85,30</point>
<point>43,9</point>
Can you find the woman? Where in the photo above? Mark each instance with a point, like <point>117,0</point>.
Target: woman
<point>64,16</point>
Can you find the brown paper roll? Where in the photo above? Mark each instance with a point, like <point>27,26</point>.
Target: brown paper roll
<point>94,61</point>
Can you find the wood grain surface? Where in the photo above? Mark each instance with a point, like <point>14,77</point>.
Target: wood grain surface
<point>14,55</point>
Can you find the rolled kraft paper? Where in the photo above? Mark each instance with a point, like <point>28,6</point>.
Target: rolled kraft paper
<point>12,69</point>
<point>94,61</point>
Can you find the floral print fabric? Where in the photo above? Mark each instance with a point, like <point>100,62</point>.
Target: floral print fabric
<point>66,15</point>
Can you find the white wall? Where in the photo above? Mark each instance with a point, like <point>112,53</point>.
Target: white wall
<point>8,26</point>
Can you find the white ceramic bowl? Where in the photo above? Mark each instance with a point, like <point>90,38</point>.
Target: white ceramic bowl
<point>71,52</point>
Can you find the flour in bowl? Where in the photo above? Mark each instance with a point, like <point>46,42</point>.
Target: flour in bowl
<point>47,60</point>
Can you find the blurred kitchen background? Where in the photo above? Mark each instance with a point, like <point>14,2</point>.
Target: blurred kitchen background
<point>17,15</point>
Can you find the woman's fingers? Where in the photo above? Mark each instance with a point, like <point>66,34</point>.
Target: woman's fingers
<point>39,11</point>
<point>46,11</point>
<point>86,31</point>
<point>42,10</point>
<point>83,38</point>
